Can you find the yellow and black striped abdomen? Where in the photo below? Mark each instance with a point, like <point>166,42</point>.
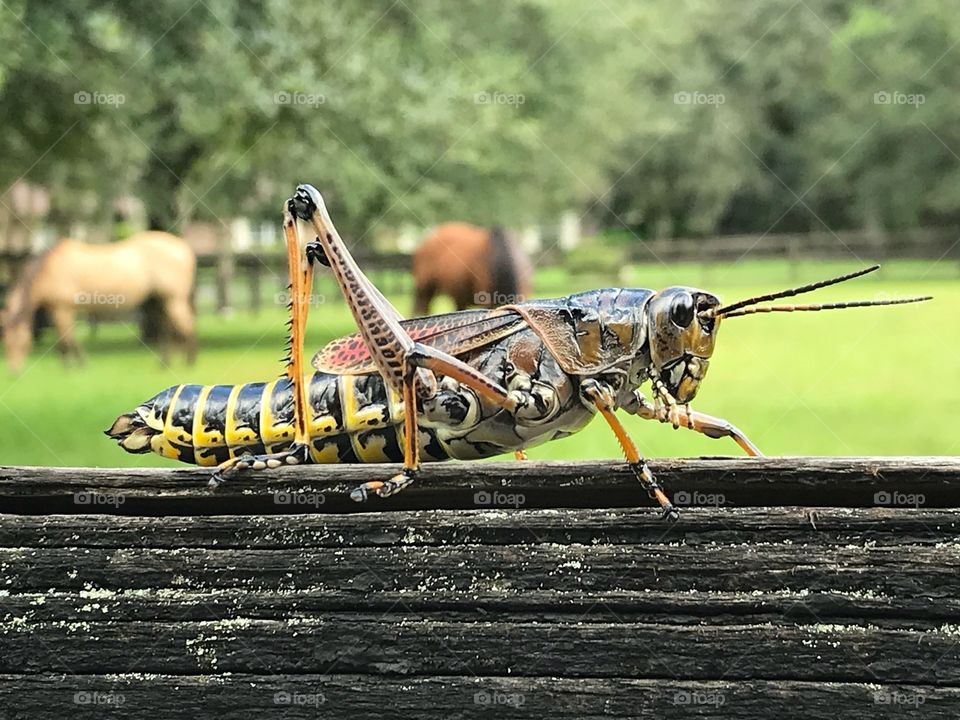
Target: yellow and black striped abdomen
<point>351,419</point>
<point>208,424</point>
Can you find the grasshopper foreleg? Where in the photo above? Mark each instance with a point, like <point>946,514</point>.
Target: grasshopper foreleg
<point>684,416</point>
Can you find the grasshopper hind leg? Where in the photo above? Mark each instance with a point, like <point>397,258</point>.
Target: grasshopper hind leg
<point>301,281</point>
<point>402,362</point>
<point>411,450</point>
<point>384,488</point>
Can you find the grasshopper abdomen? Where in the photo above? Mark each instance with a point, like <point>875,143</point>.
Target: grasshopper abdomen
<point>352,419</point>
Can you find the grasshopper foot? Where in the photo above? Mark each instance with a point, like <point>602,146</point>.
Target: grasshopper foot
<point>384,488</point>
<point>316,254</point>
<point>669,513</point>
<point>305,202</point>
<point>654,490</point>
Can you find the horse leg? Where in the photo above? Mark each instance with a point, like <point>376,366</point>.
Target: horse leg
<point>423,296</point>
<point>64,317</point>
<point>181,321</point>
<point>466,295</point>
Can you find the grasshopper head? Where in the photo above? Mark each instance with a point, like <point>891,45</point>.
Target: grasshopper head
<point>682,333</point>
<point>682,326</point>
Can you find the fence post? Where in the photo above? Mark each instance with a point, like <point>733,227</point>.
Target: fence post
<point>793,257</point>
<point>226,264</point>
<point>253,278</point>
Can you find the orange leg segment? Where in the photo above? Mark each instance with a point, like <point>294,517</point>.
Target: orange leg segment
<point>301,282</point>
<point>602,399</point>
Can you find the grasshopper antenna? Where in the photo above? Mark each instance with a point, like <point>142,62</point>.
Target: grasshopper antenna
<point>742,307</point>
<point>723,311</point>
<point>824,306</point>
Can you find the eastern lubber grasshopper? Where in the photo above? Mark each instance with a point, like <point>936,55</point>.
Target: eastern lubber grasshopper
<point>483,382</point>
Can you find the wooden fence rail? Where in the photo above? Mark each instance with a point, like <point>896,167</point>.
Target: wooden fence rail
<point>933,243</point>
<point>390,271</point>
<point>823,587</point>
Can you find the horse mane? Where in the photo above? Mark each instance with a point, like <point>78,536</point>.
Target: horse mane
<point>21,288</point>
<point>504,275</point>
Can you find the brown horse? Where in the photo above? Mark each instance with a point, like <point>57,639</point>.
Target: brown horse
<point>101,280</point>
<point>472,265</point>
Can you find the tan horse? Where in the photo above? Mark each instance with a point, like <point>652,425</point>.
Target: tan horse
<point>473,265</point>
<point>101,280</point>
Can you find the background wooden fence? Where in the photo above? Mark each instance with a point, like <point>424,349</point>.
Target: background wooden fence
<point>230,272</point>
<point>917,244</point>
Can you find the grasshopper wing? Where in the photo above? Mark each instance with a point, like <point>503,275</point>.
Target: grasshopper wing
<point>454,333</point>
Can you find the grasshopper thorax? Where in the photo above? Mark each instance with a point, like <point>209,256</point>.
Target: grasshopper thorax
<point>681,338</point>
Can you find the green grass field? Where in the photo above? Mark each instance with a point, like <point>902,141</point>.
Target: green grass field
<point>855,382</point>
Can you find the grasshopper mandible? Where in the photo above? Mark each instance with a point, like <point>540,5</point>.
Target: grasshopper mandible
<point>461,385</point>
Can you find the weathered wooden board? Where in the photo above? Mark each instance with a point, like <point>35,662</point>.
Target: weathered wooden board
<point>800,591</point>
<point>400,642</point>
<point>459,697</point>
<point>729,482</point>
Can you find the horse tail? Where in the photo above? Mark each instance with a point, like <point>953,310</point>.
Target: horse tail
<point>504,275</point>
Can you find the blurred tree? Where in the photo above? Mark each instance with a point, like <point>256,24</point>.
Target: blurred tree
<point>63,108</point>
<point>674,118</point>
<point>400,112</point>
<point>726,88</point>
<point>888,143</point>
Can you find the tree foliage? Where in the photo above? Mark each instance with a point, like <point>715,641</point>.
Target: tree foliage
<point>676,118</point>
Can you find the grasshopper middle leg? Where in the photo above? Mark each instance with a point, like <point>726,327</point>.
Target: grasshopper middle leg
<point>602,397</point>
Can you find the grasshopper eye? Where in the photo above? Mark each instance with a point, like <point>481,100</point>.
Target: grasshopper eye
<point>681,310</point>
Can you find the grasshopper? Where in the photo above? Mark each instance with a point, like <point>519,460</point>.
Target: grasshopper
<point>461,385</point>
